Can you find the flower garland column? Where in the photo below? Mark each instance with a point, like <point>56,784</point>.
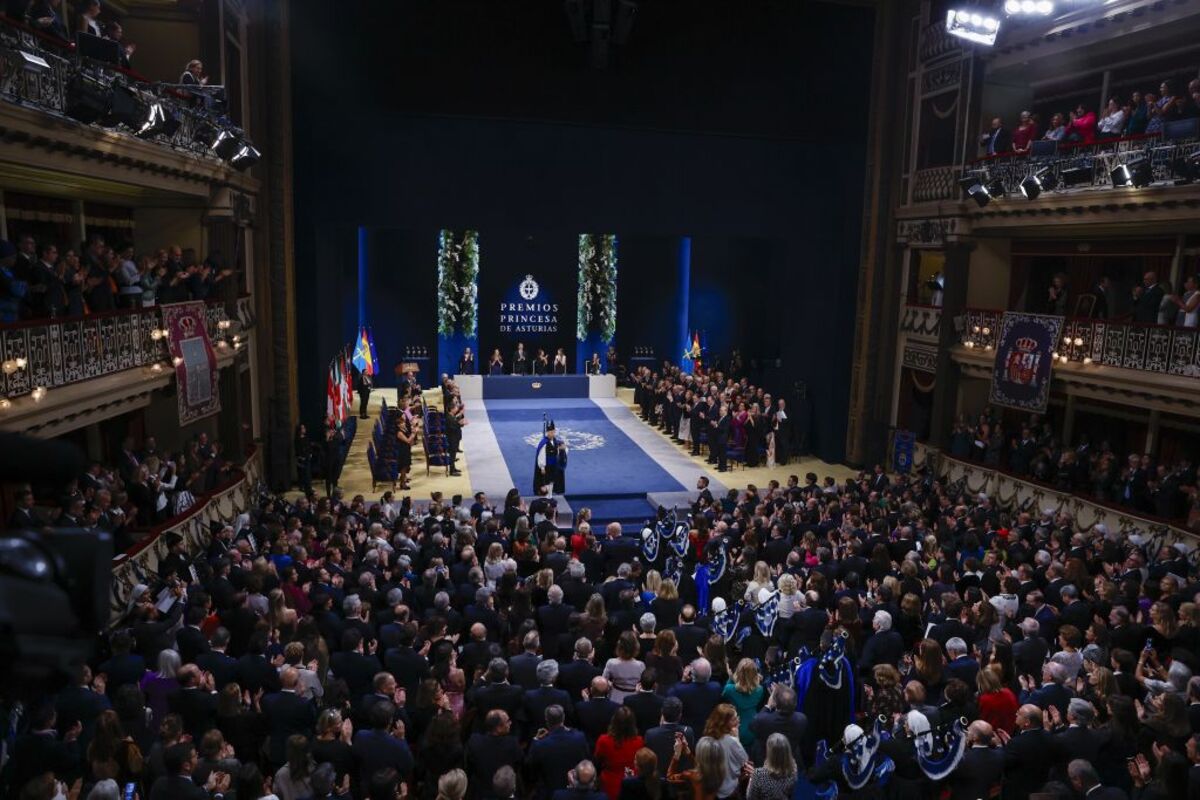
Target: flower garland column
<point>457,298</point>
<point>596,317</point>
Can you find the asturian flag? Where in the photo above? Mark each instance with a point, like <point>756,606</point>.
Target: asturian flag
<point>364,356</point>
<point>767,613</point>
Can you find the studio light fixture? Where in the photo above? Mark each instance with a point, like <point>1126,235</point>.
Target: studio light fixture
<point>1136,172</point>
<point>245,158</point>
<point>227,144</point>
<point>1075,176</point>
<point>1186,169</point>
<point>975,24</point>
<point>1029,8</point>
<point>159,120</point>
<point>1031,185</point>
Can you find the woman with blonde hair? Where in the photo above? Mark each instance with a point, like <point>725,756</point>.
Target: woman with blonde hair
<point>666,605</point>
<point>708,774</point>
<point>886,698</point>
<point>776,778</point>
<point>496,564</point>
<point>761,580</point>
<point>745,692</point>
<point>722,727</point>
<point>650,585</point>
<point>790,600</point>
<point>452,785</point>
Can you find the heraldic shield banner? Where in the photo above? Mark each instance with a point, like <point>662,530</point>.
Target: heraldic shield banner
<point>195,361</point>
<point>1021,375</point>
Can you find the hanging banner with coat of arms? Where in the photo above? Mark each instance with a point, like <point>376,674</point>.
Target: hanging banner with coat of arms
<point>195,361</point>
<point>1021,375</point>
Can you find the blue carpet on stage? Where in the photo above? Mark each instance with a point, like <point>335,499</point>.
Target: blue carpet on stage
<point>534,387</point>
<point>603,460</point>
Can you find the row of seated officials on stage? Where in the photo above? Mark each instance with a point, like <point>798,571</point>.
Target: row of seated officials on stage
<point>523,364</point>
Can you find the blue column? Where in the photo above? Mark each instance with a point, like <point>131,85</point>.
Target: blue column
<point>362,276</point>
<point>683,291</point>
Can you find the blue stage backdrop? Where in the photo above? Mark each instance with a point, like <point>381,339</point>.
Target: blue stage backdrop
<point>527,288</point>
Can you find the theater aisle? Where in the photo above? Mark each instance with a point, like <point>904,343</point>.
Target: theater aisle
<point>356,474</point>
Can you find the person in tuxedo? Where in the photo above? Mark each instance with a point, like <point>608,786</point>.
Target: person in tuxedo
<point>1086,781</point>
<point>466,364</point>
<point>456,418</point>
<point>495,692</point>
<point>217,662</point>
<point>779,716</point>
<point>594,367</point>
<point>1147,299</point>
<point>491,749</point>
<point>286,713</point>
<point>382,745</point>
<point>596,711</point>
<point>661,738</point>
<point>560,362</point>
<point>546,694</point>
<point>180,762</point>
<point>645,702</point>
<point>190,641</point>
<point>195,702</point>
<point>523,667</point>
<point>982,765</point>
<point>554,751</point>
<point>1102,308</point>
<point>719,437</point>
<point>577,674</point>
<point>520,361</point>
<point>698,692</point>
<point>365,383</point>
<point>24,518</point>
<point>1027,755</point>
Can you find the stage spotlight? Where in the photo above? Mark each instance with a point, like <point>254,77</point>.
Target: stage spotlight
<point>245,158</point>
<point>127,108</point>
<point>1135,172</point>
<point>1186,169</point>
<point>227,144</point>
<point>1031,185</point>
<point>996,189</point>
<point>29,62</point>
<point>980,194</point>
<point>88,100</point>
<point>973,24</point>
<point>1076,176</point>
<point>160,120</point>
<point>1029,8</point>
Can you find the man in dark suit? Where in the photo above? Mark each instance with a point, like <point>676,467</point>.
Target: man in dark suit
<point>407,665</point>
<point>779,716</point>
<point>354,666</point>
<point>1077,740</point>
<point>595,712</point>
<point>80,704</point>
<point>24,518</point>
<point>576,675</point>
<point>489,750</point>
<point>522,668</point>
<point>982,765</point>
<point>998,139</point>
<point>190,641</point>
<point>154,631</point>
<point>1027,755</point>
<point>1086,781</point>
<point>1074,611</point>
<point>495,692</point>
<point>122,667</point>
<point>520,361</point>
<point>537,700</point>
<point>286,713</point>
<point>961,665</point>
<point>365,384</point>
<point>718,438</point>
<point>554,620</point>
<point>646,703</point>
<point>1029,654</point>
<point>699,695</point>
<point>661,738</point>
<point>885,646</point>
<point>581,784</point>
<point>1053,691</point>
<point>382,746</point>
<point>554,751</point>
<point>177,784</point>
<point>689,634</point>
<point>1147,298</point>
<point>807,627</point>
<point>254,671</point>
<point>217,662</point>
<point>195,702</point>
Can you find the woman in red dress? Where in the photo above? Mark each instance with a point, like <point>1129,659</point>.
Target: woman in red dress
<point>616,749</point>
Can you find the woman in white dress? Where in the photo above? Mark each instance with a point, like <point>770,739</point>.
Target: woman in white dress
<point>685,419</point>
<point>1188,315</point>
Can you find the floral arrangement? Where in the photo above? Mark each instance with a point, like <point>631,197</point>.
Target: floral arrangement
<point>597,305</point>
<point>458,282</point>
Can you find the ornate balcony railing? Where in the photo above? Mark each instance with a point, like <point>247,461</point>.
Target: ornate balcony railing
<point>935,183</point>
<point>921,321</point>
<point>190,131</point>
<point>1160,349</point>
<point>46,354</point>
<point>936,43</point>
<point>1071,167</point>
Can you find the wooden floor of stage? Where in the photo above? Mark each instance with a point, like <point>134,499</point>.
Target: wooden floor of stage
<point>356,474</point>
